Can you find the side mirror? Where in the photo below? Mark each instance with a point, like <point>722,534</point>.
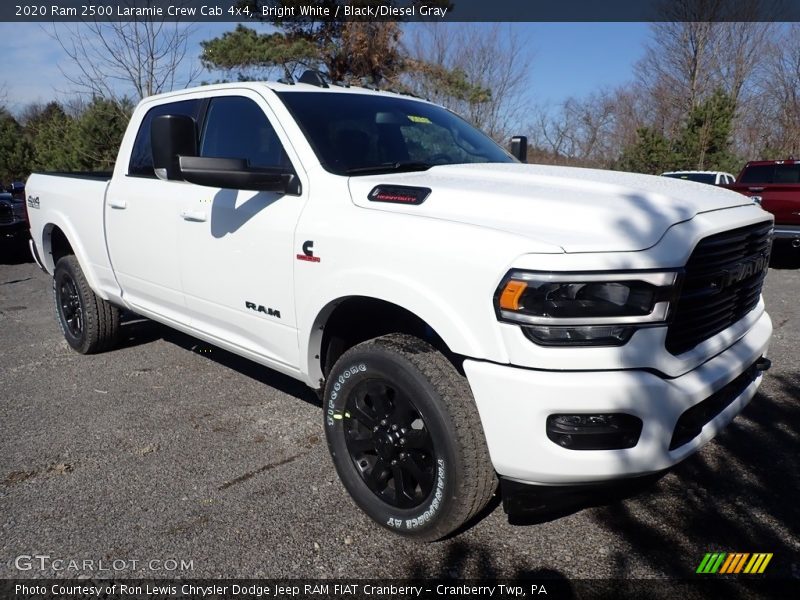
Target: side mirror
<point>172,136</point>
<point>519,148</point>
<point>236,174</point>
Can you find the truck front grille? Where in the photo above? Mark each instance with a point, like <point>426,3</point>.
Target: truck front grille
<point>6,213</point>
<point>722,283</point>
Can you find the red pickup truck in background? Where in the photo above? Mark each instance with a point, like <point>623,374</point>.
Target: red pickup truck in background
<point>775,184</point>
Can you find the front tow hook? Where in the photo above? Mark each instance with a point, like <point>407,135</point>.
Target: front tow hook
<point>763,364</point>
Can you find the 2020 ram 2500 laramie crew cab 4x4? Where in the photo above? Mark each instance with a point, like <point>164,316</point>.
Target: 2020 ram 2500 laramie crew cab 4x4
<point>465,316</point>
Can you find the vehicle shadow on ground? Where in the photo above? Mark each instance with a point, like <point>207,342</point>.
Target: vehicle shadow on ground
<point>136,331</point>
<point>740,497</point>
<point>466,561</point>
<point>15,252</point>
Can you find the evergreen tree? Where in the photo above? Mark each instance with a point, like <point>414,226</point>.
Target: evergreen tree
<point>15,151</point>
<point>98,133</point>
<point>349,51</point>
<point>51,133</point>
<point>344,50</point>
<point>651,153</point>
<point>704,142</point>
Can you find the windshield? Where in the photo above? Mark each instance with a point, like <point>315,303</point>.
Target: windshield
<point>361,134</point>
<point>699,177</point>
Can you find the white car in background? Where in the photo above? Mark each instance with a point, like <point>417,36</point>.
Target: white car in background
<point>709,177</point>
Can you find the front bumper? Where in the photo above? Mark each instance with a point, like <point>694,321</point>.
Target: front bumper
<point>787,232</point>
<point>514,404</point>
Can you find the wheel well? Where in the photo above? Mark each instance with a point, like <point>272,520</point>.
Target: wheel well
<point>59,245</point>
<point>357,319</point>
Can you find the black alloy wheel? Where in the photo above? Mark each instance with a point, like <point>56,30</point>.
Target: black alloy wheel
<point>389,443</point>
<point>89,323</point>
<point>70,303</point>
<point>405,437</point>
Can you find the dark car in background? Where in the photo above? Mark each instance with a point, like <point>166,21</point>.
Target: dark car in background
<point>13,214</point>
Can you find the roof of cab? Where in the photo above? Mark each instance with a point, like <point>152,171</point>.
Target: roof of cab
<point>277,86</point>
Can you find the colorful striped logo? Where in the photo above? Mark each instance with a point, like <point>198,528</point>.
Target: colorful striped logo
<point>734,562</point>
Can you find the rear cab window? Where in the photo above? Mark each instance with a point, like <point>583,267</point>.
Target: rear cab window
<point>776,173</point>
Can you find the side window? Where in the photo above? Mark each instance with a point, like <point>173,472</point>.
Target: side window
<point>142,155</point>
<point>787,174</point>
<point>235,127</point>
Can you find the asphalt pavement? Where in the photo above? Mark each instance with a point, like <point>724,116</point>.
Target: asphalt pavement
<point>171,458</point>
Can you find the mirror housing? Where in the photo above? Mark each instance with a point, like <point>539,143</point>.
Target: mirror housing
<point>172,136</point>
<point>519,148</point>
<point>236,174</point>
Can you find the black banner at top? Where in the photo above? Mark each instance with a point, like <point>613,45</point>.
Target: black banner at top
<point>400,10</point>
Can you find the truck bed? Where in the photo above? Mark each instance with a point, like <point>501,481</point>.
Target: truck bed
<point>73,202</point>
<point>92,175</point>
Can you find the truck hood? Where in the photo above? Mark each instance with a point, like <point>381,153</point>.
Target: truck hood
<point>579,210</point>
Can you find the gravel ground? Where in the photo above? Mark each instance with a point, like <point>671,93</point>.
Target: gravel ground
<point>169,449</point>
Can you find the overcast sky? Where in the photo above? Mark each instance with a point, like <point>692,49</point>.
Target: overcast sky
<point>568,59</point>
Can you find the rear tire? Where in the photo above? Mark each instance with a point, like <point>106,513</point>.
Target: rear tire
<point>406,438</point>
<point>89,323</point>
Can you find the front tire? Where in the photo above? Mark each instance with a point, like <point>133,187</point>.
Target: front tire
<point>406,438</point>
<point>89,323</point>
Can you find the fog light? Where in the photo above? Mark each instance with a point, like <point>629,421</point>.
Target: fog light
<point>609,431</point>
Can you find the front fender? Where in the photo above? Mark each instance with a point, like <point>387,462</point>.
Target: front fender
<point>469,331</point>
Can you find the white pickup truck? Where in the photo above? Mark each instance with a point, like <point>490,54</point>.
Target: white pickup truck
<point>464,316</point>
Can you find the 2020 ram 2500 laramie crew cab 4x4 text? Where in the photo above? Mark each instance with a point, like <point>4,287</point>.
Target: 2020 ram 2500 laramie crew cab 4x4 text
<point>465,316</point>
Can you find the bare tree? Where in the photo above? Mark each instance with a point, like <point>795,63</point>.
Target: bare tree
<point>492,59</point>
<point>702,46</point>
<point>779,127</point>
<point>676,70</point>
<point>591,131</point>
<point>134,59</point>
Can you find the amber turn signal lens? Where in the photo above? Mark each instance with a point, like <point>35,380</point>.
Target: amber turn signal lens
<point>509,299</point>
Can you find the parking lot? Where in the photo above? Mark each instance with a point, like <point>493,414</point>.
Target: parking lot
<point>171,453</point>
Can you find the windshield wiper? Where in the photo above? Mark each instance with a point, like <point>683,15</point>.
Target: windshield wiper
<point>392,167</point>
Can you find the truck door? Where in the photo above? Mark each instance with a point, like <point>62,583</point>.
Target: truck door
<point>142,217</point>
<point>237,247</point>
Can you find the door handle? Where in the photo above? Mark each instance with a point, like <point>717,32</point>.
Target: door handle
<point>116,203</point>
<point>193,215</point>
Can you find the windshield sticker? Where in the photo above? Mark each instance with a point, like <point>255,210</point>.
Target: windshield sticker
<point>416,119</point>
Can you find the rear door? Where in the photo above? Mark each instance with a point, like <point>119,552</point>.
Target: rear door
<point>142,216</point>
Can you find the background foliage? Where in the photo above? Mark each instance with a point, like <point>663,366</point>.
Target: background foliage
<point>705,95</point>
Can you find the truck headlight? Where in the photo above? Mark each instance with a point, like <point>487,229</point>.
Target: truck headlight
<point>584,308</point>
